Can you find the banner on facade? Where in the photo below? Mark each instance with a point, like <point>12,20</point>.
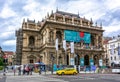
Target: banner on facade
<point>91,62</point>
<point>81,61</point>
<point>76,36</point>
<point>56,44</point>
<point>72,61</point>
<point>72,47</point>
<point>100,62</point>
<point>64,44</point>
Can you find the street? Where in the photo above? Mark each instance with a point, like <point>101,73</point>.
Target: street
<point>89,78</point>
<point>65,78</point>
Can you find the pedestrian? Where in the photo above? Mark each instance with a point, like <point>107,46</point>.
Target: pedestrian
<point>39,69</point>
<point>27,69</point>
<point>19,70</point>
<point>14,69</point>
<point>22,69</point>
<point>30,69</point>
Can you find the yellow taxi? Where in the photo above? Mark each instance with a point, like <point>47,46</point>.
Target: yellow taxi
<point>67,71</point>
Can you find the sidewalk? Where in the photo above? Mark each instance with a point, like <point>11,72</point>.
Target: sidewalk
<point>46,73</point>
<point>33,73</point>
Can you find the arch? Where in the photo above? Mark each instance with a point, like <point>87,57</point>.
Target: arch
<point>86,60</point>
<point>96,60</point>
<point>67,59</point>
<point>59,36</point>
<point>31,40</point>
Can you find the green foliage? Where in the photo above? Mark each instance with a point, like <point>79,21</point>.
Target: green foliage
<point>1,62</point>
<point>1,67</point>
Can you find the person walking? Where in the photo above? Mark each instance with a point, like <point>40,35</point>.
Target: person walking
<point>40,69</point>
<point>30,69</point>
<point>19,70</point>
<point>14,69</point>
<point>27,69</point>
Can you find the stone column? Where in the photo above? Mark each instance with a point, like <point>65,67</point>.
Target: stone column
<point>64,19</point>
<point>81,22</point>
<point>73,20</point>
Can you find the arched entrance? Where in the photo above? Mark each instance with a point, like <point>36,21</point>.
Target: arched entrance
<point>67,60</point>
<point>86,60</point>
<point>96,60</point>
<point>77,59</point>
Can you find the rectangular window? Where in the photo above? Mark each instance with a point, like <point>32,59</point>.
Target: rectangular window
<point>31,60</point>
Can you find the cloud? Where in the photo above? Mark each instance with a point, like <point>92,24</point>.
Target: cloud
<point>37,10</point>
<point>9,43</point>
<point>7,35</point>
<point>7,12</point>
<point>112,4</point>
<point>113,27</point>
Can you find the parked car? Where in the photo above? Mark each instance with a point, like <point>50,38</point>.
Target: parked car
<point>67,71</point>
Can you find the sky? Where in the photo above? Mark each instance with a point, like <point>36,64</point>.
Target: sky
<point>12,13</point>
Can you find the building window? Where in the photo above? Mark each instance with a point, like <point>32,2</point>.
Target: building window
<point>115,58</point>
<point>111,58</point>
<point>31,60</point>
<point>31,40</point>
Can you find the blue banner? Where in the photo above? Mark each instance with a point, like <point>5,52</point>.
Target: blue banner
<point>70,35</point>
<point>81,61</point>
<point>87,38</point>
<point>91,62</point>
<point>77,36</point>
<point>54,67</point>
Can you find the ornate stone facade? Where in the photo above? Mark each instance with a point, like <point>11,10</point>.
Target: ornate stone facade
<point>38,40</point>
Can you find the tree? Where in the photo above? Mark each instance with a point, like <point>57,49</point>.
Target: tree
<point>1,62</point>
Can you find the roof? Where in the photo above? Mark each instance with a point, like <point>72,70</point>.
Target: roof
<point>66,13</point>
<point>8,52</point>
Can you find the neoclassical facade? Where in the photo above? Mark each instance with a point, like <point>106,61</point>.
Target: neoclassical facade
<point>37,40</point>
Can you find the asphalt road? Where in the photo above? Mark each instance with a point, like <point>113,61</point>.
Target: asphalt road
<point>89,78</point>
<point>2,79</point>
<point>65,78</point>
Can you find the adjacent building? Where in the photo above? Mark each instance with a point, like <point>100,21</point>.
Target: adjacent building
<point>114,50</point>
<point>63,38</point>
<point>9,56</point>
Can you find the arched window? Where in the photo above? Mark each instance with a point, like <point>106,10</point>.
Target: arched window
<point>31,40</point>
<point>59,36</point>
<point>96,60</point>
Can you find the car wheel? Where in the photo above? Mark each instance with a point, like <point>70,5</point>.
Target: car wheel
<point>74,73</point>
<point>62,73</point>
